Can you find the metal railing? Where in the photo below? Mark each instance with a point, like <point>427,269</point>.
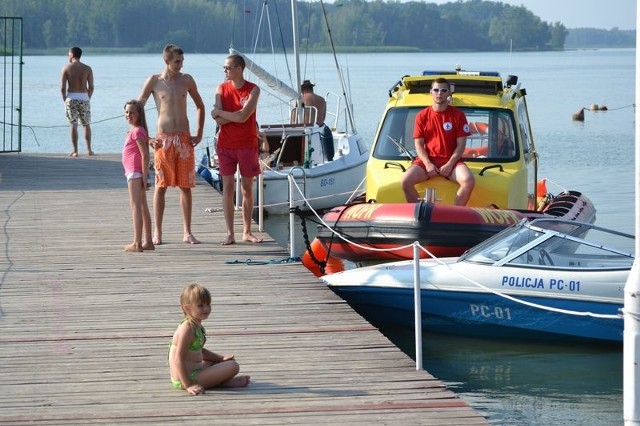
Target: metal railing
<point>11,38</point>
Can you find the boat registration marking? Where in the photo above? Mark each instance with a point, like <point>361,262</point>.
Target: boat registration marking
<point>552,284</point>
<point>485,311</point>
<point>327,182</point>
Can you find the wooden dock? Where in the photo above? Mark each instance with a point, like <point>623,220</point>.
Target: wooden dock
<point>85,326</point>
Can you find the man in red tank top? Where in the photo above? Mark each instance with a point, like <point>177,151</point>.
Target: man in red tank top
<point>235,112</point>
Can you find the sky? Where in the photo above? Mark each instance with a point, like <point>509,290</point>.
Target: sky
<point>604,14</point>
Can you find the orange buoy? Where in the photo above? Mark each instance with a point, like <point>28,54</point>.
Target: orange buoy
<point>541,195</point>
<point>541,187</point>
<point>333,264</point>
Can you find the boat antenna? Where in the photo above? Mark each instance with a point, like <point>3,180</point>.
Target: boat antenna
<point>335,58</point>
<point>510,53</point>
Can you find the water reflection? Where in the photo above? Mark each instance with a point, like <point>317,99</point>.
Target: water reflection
<point>516,382</point>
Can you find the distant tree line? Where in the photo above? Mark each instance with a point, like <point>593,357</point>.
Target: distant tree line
<point>592,37</point>
<point>211,26</point>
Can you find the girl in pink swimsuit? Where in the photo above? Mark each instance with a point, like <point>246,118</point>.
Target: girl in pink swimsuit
<point>135,159</point>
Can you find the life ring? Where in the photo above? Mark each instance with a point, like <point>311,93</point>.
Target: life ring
<point>333,264</point>
<point>481,151</point>
<point>478,127</point>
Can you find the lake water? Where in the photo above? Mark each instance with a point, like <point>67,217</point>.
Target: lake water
<point>514,383</point>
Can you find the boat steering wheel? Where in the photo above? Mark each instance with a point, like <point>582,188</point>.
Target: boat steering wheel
<point>544,255</point>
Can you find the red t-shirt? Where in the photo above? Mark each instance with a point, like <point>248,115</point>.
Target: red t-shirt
<point>237,135</point>
<point>440,131</point>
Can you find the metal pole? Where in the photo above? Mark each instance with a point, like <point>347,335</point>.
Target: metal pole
<point>417,304</point>
<point>631,337</point>
<point>292,218</point>
<point>261,202</point>
<point>296,57</point>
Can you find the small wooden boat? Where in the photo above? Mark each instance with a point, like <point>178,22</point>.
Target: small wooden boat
<point>540,279</point>
<point>378,229</point>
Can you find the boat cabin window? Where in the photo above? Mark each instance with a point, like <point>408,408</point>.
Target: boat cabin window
<point>395,139</point>
<point>492,135</point>
<point>525,130</point>
<point>559,252</point>
<point>557,245</point>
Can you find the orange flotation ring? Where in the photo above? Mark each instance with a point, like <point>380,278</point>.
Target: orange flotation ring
<point>333,264</point>
<point>478,127</point>
<point>481,151</point>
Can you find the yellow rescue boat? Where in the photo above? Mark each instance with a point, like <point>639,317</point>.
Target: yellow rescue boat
<point>500,151</point>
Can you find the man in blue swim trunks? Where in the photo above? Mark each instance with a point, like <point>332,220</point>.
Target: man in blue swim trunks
<point>77,89</point>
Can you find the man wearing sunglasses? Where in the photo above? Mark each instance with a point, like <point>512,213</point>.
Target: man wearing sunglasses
<point>234,111</point>
<point>440,135</point>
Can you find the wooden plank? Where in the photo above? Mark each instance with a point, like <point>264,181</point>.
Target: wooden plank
<point>85,326</point>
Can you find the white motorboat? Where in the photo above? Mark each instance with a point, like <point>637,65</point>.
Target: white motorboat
<point>544,279</point>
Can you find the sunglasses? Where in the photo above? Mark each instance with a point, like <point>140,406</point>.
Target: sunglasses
<point>226,68</point>
<point>439,90</point>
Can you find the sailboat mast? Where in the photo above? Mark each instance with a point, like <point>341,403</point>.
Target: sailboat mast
<point>296,55</point>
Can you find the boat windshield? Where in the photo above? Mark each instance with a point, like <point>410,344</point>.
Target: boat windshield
<point>558,244</point>
<point>492,138</point>
<point>500,245</point>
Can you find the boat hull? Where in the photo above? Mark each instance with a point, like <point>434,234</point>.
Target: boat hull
<point>472,299</point>
<point>320,188</point>
<point>484,314</point>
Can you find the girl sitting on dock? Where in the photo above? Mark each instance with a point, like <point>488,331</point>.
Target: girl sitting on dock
<point>192,367</point>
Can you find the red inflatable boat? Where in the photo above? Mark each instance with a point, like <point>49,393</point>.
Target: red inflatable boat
<point>444,230</point>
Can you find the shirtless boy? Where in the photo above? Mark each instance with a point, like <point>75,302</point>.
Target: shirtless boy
<point>174,155</point>
<point>77,88</point>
